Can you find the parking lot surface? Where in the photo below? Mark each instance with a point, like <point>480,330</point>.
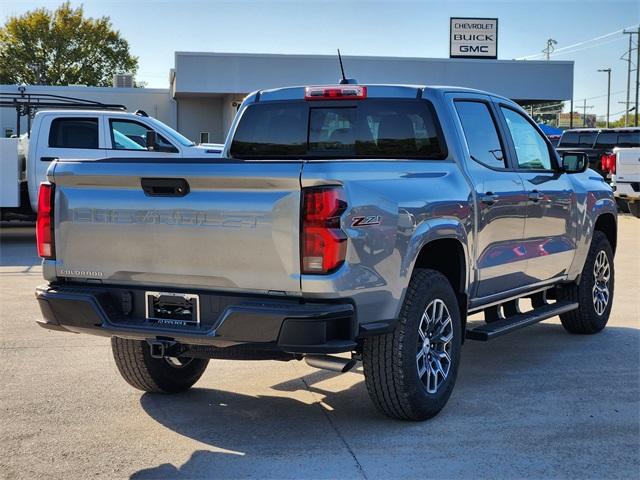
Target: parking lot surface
<point>537,403</point>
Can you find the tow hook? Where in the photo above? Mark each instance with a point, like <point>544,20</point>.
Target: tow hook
<point>329,362</point>
<point>164,348</point>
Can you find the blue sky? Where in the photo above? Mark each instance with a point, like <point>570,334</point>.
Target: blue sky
<point>155,29</point>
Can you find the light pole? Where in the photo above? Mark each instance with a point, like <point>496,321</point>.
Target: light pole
<point>608,72</point>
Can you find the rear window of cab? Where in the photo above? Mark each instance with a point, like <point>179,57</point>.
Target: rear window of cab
<point>628,139</point>
<point>356,129</point>
<point>577,139</point>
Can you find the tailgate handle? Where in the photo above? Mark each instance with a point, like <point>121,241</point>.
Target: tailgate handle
<point>165,187</point>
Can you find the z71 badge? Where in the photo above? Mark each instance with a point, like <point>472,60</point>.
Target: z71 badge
<point>366,221</point>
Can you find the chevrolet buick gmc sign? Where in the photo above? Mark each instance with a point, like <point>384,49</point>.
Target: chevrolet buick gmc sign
<point>473,38</point>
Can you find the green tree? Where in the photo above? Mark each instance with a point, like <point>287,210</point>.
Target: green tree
<point>62,47</point>
<point>620,122</point>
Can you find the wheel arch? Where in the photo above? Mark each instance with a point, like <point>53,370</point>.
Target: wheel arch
<point>606,223</point>
<point>448,256</point>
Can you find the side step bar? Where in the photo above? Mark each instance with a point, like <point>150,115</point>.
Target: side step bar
<point>520,320</point>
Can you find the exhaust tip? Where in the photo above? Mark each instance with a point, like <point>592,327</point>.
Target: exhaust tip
<point>328,362</point>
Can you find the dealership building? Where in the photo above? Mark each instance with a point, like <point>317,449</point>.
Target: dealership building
<point>205,89</point>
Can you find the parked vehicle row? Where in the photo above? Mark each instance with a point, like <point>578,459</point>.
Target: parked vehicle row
<point>599,143</point>
<point>360,219</point>
<point>83,135</point>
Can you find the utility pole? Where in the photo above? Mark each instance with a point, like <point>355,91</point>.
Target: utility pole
<point>571,113</point>
<point>550,48</point>
<point>635,121</point>
<point>608,72</point>
<point>626,115</point>
<point>584,112</point>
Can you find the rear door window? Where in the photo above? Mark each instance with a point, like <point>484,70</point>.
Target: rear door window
<point>481,134</point>
<point>74,133</point>
<point>366,129</point>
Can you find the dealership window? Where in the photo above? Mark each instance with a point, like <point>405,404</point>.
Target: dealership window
<point>532,151</point>
<point>74,133</point>
<point>481,134</point>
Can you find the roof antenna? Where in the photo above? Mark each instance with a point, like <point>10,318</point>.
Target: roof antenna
<point>344,80</point>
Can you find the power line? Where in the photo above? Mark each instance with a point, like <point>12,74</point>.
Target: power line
<point>588,47</point>
<point>561,103</point>
<point>602,96</point>
<point>558,50</point>
<point>613,114</point>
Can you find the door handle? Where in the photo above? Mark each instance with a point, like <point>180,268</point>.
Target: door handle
<point>48,159</point>
<point>489,198</point>
<point>535,196</point>
<point>165,187</point>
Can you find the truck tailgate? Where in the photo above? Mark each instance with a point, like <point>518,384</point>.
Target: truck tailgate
<point>236,228</point>
<point>628,164</point>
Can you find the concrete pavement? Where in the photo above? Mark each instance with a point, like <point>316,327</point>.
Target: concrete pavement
<point>538,403</point>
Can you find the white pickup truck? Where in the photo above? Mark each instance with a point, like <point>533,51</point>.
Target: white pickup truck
<point>627,177</point>
<point>86,135</point>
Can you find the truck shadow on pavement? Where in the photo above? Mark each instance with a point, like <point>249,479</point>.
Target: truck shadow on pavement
<point>540,377</point>
<point>18,247</point>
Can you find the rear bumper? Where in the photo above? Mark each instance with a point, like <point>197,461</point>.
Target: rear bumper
<point>288,325</point>
<point>628,190</point>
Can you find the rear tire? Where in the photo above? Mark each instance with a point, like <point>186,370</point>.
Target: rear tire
<point>160,375</point>
<point>634,208</point>
<point>410,372</point>
<point>594,309</point>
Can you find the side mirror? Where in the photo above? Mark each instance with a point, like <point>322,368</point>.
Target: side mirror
<point>573,162</point>
<point>151,140</point>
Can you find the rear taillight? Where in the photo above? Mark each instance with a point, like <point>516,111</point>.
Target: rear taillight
<point>608,163</point>
<point>323,243</point>
<point>336,92</point>
<point>44,224</point>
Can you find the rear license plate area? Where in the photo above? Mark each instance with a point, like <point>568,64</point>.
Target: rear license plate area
<point>169,309</point>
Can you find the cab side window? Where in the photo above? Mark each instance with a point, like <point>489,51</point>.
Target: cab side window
<point>128,135</point>
<point>481,134</point>
<point>532,152</point>
<point>74,133</point>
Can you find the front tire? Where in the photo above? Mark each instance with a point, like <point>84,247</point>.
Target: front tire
<point>594,293</point>
<point>410,372</point>
<point>159,375</point>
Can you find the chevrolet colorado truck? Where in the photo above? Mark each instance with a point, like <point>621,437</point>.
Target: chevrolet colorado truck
<point>363,220</point>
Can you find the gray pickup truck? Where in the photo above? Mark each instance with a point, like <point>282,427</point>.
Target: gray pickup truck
<point>363,220</point>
